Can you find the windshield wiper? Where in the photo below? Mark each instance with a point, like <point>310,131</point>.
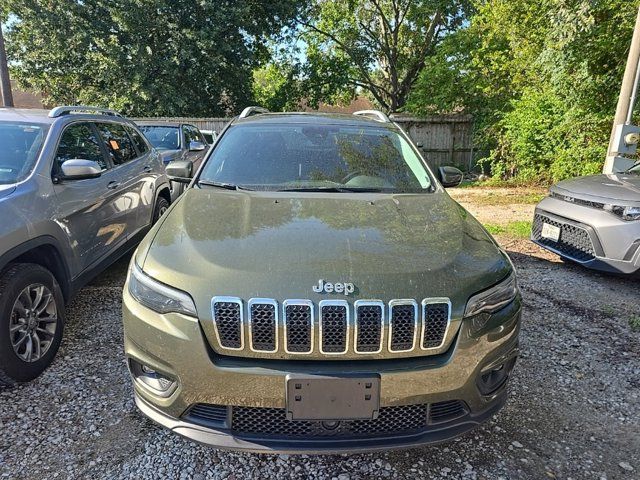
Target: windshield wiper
<point>227,186</point>
<point>330,189</point>
<point>628,170</point>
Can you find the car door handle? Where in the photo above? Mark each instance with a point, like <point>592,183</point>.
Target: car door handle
<point>148,168</point>
<point>113,185</point>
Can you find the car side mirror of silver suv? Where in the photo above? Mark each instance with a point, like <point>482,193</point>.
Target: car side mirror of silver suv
<point>195,146</point>
<point>79,169</point>
<point>450,176</point>
<point>180,171</point>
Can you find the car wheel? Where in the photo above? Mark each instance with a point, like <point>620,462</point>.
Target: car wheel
<point>31,322</point>
<point>162,205</point>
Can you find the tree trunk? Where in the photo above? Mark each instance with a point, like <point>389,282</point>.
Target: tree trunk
<point>5,83</point>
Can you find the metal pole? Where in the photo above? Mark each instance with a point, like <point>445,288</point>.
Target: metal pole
<point>5,82</point>
<point>624,108</point>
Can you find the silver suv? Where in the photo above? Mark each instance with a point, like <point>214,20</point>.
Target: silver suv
<point>79,186</point>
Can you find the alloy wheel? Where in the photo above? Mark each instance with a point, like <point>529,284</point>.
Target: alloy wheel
<point>33,323</point>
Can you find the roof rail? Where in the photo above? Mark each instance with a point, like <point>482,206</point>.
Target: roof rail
<point>374,114</point>
<point>66,109</point>
<point>247,112</point>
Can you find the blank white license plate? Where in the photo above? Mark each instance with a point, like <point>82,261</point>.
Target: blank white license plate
<point>551,232</point>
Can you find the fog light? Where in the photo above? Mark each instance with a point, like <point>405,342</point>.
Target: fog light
<point>159,384</point>
<point>491,380</point>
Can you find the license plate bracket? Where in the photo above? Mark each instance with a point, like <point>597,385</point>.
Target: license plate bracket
<point>323,397</point>
<point>550,232</point>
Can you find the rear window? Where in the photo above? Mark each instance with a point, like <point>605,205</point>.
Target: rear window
<point>20,145</point>
<point>161,137</point>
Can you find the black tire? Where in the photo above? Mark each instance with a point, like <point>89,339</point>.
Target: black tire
<point>161,206</point>
<point>13,280</point>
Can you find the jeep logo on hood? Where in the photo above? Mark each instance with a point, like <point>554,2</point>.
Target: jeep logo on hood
<point>327,287</point>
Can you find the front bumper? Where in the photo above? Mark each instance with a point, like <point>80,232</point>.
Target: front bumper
<point>175,346</point>
<point>614,243</point>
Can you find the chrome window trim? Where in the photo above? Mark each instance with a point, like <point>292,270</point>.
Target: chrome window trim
<point>431,301</point>
<point>368,303</point>
<point>224,299</point>
<point>336,303</point>
<point>395,303</point>
<point>262,301</point>
<point>309,304</point>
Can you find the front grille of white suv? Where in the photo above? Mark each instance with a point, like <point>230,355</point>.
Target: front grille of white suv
<point>331,327</point>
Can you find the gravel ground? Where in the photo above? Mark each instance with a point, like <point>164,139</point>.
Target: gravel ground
<point>574,410</point>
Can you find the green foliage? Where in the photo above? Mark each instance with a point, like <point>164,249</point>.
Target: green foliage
<point>378,47</point>
<point>152,57</point>
<point>516,229</point>
<point>541,78</point>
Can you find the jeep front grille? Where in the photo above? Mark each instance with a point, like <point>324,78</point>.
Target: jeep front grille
<point>403,321</point>
<point>368,327</point>
<point>334,326</point>
<point>263,320</point>
<point>436,321</point>
<point>227,318</point>
<point>298,326</point>
<point>574,242</point>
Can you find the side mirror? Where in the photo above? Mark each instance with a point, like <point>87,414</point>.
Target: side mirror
<point>196,146</point>
<point>79,169</point>
<point>180,171</point>
<point>450,176</point>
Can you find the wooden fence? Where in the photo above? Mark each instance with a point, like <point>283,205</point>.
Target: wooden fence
<point>444,139</point>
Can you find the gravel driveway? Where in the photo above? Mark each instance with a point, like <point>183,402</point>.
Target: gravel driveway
<point>574,411</point>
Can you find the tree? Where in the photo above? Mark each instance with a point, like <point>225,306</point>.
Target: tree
<point>541,78</point>
<point>379,46</point>
<point>157,57</point>
<point>5,83</point>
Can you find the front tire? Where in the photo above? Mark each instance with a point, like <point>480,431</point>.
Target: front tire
<point>162,205</point>
<point>31,322</point>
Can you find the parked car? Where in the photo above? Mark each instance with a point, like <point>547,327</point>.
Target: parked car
<point>209,135</point>
<point>315,289</point>
<point>593,221</point>
<point>79,186</point>
<point>176,141</point>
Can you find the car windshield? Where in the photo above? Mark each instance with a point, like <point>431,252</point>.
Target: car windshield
<point>19,147</point>
<point>316,157</point>
<point>162,137</point>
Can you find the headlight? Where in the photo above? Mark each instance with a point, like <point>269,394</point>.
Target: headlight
<point>158,296</point>
<point>494,298</point>
<point>626,213</point>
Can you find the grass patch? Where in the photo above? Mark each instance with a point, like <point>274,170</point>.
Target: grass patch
<point>518,229</point>
<point>502,198</point>
<point>634,323</point>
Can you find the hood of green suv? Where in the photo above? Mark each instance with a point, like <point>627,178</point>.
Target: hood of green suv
<point>279,245</point>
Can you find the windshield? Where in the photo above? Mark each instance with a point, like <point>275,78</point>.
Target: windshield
<point>161,137</point>
<point>316,157</point>
<point>19,147</point>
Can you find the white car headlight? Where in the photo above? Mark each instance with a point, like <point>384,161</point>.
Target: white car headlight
<point>626,213</point>
<point>158,296</point>
<point>494,298</point>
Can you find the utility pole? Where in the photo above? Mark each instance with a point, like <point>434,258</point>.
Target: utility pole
<point>623,132</point>
<point>5,82</point>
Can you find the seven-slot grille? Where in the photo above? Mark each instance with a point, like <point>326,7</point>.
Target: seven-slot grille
<point>409,327</point>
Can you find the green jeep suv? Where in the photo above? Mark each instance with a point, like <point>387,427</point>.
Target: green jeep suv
<point>315,289</point>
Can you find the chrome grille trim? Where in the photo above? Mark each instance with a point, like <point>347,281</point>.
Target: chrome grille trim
<point>285,321</point>
<point>432,301</point>
<point>356,324</point>
<point>234,300</point>
<point>397,303</point>
<point>333,303</point>
<point>263,301</point>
